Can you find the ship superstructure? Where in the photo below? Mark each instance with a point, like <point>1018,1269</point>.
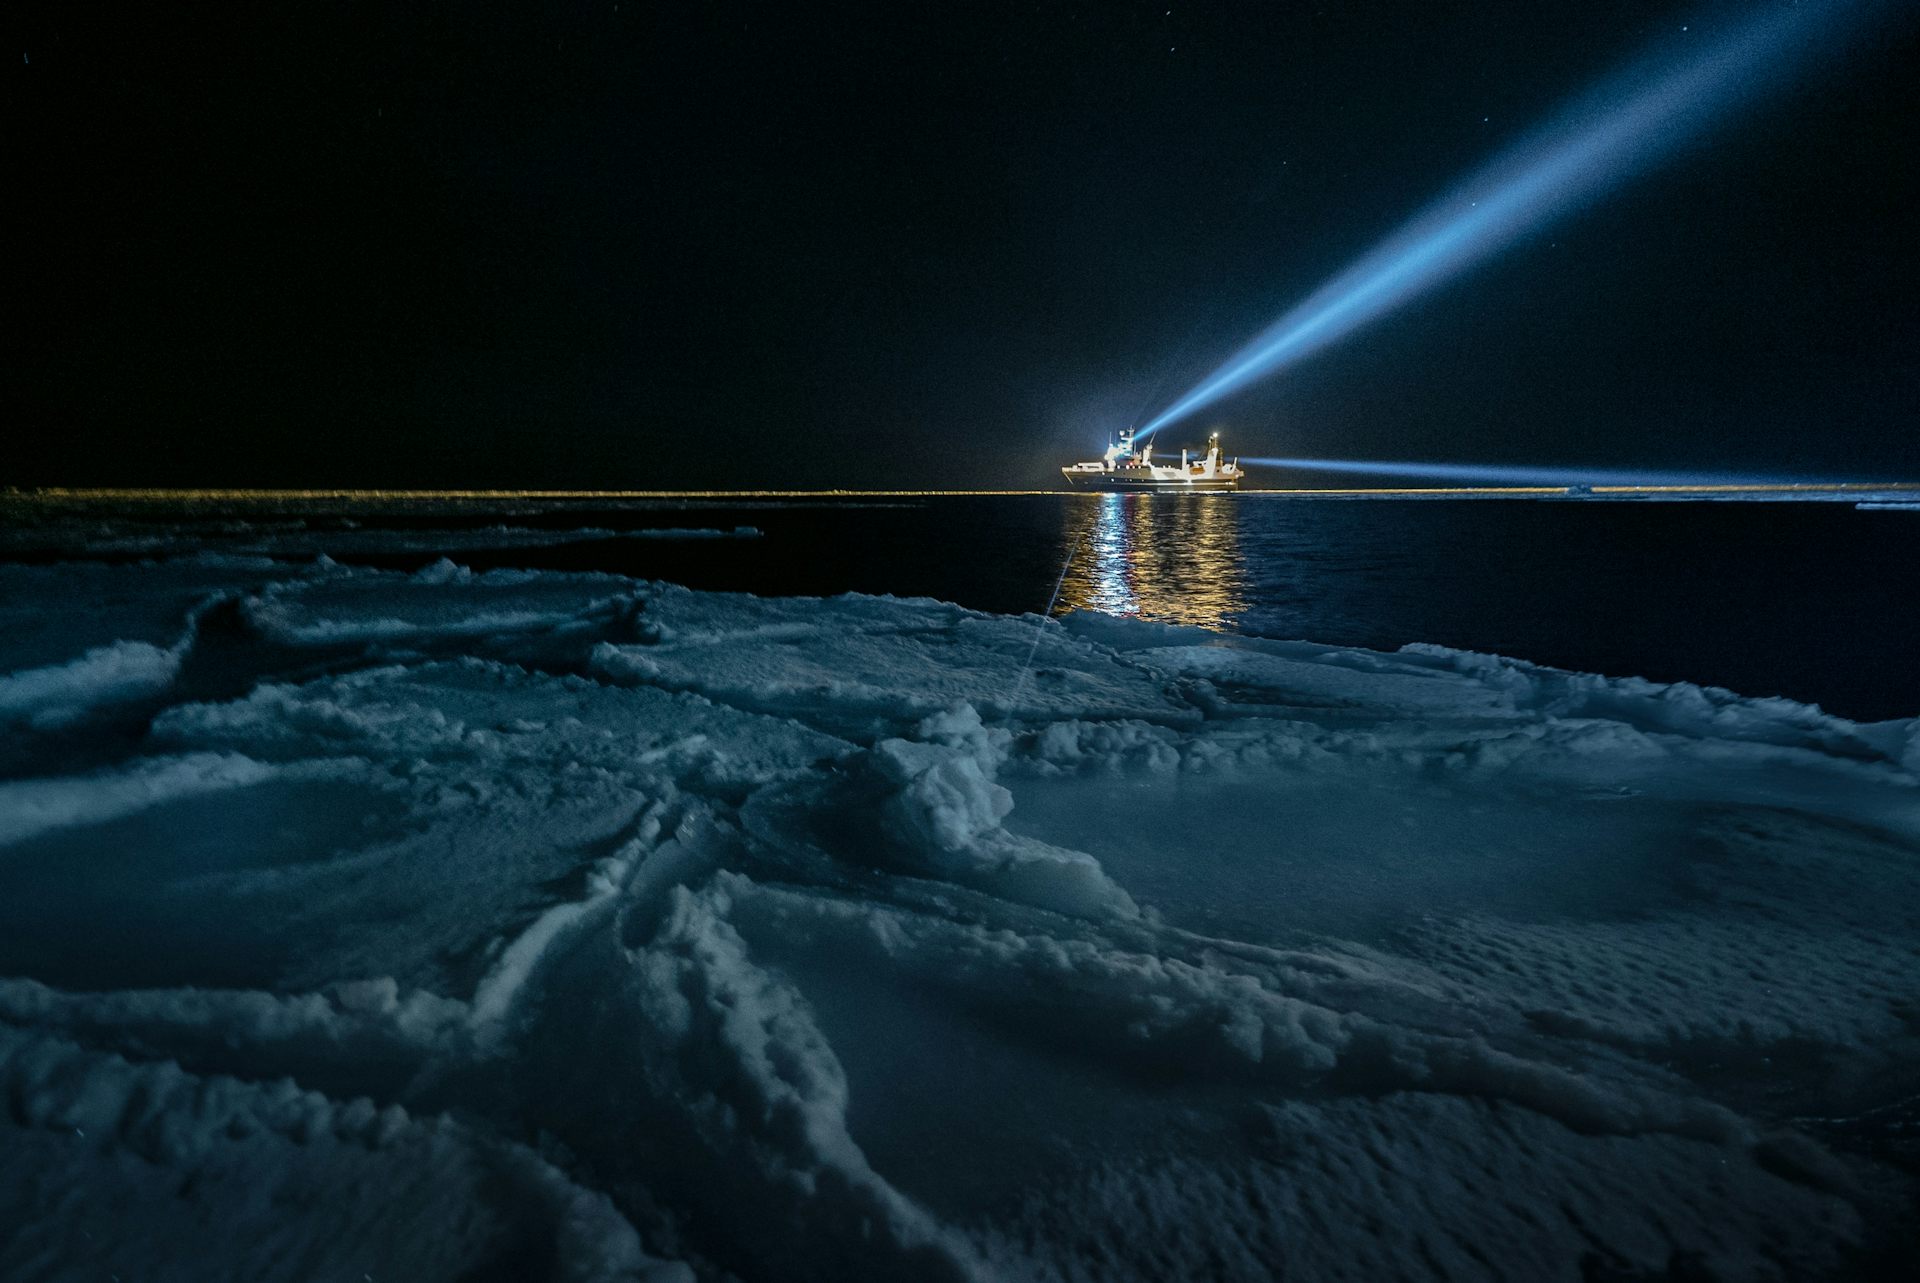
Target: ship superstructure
<point>1125,467</point>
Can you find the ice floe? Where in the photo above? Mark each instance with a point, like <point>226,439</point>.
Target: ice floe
<point>525,924</point>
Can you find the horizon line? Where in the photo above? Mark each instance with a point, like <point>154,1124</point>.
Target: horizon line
<point>384,492</point>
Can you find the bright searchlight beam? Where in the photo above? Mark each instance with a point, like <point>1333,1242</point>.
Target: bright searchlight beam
<point>1467,474</point>
<point>1617,130</point>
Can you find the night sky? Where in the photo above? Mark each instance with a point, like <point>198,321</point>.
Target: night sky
<point>690,244</point>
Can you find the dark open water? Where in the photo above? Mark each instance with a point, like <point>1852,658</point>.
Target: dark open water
<point>1814,600</point>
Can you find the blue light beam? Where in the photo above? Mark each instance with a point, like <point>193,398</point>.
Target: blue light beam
<point>1518,475</point>
<point>1614,132</point>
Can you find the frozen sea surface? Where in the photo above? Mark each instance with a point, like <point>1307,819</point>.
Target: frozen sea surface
<point>357,923</point>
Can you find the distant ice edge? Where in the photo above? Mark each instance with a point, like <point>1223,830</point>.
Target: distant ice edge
<point>615,930</point>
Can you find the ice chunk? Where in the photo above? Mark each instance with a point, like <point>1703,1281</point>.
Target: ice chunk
<point>32,807</point>
<point>60,694</point>
<point>942,807</point>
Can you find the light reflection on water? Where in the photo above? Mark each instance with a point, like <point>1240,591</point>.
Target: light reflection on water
<point>1171,558</point>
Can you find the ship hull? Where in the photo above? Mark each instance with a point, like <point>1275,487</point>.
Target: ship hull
<point>1112,482</point>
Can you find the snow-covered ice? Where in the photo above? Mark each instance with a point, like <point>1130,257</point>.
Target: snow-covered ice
<point>449,925</point>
